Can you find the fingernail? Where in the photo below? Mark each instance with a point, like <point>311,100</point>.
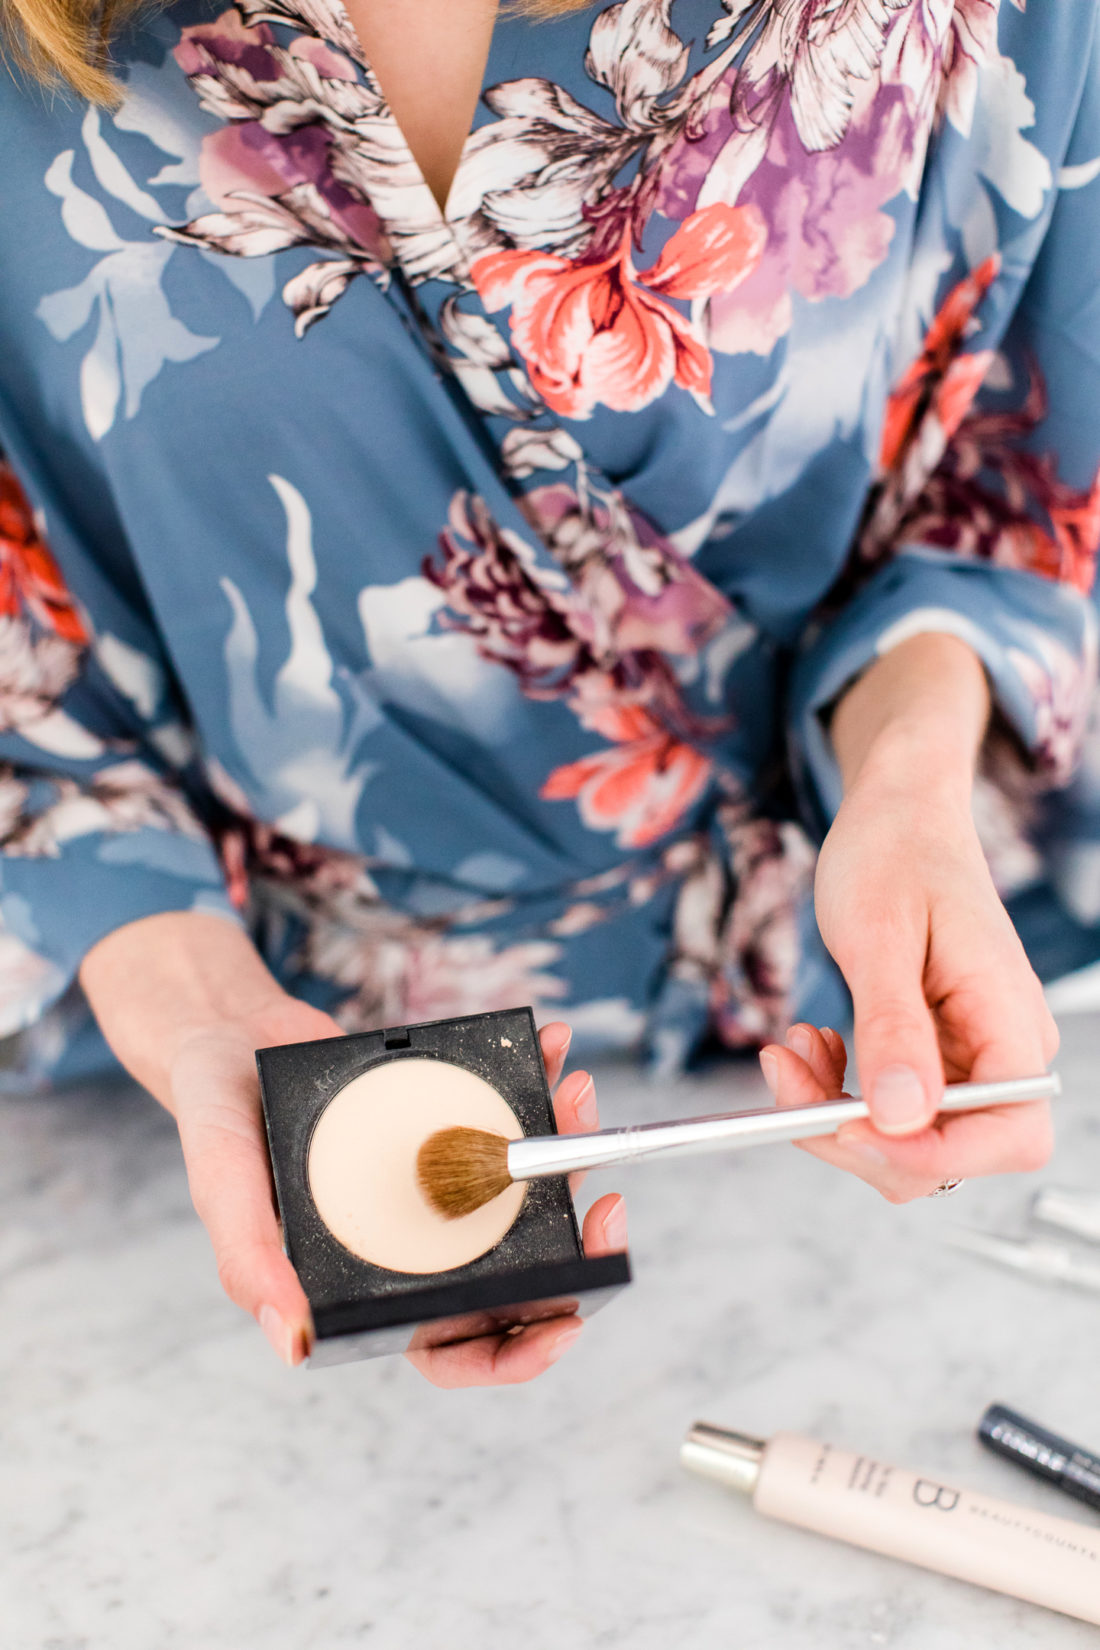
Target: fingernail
<point>800,1042</point>
<point>898,1101</point>
<point>873,1156</point>
<point>563,1342</point>
<point>614,1225</point>
<point>277,1332</point>
<point>769,1065</point>
<point>565,1042</point>
<point>586,1108</point>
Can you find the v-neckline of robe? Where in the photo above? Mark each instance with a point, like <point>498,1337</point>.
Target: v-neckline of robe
<point>344,38</point>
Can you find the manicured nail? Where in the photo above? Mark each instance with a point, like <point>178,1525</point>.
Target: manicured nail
<point>585,1106</point>
<point>769,1065</point>
<point>853,1142</point>
<point>563,1342</point>
<point>898,1101</point>
<point>614,1225</point>
<point>277,1332</point>
<point>800,1042</point>
<point>563,1047</point>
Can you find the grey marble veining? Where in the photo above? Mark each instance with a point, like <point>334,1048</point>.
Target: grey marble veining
<point>166,1485</point>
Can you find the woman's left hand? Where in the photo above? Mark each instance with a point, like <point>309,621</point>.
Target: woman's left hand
<point>941,986</point>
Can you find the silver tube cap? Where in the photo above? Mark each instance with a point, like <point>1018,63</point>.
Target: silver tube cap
<point>1069,1210</point>
<point>733,1458</point>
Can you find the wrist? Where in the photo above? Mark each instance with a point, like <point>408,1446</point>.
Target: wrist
<point>915,757</point>
<point>915,720</point>
<point>157,983</point>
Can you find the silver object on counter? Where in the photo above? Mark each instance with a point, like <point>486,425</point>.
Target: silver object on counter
<point>731,1458</point>
<point>1070,1211</point>
<point>1035,1257</point>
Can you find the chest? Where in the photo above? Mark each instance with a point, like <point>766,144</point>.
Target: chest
<point>429,60</point>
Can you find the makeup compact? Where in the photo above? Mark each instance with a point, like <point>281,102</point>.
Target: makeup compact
<point>382,1271</point>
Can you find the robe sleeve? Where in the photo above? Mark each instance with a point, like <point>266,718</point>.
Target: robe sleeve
<point>995,539</point>
<point>97,822</point>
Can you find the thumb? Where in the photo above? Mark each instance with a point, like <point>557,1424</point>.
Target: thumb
<point>228,1173</point>
<point>897,1051</point>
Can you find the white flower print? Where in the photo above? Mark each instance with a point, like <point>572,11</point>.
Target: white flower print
<point>638,56</point>
<point>299,754</point>
<point>28,982</point>
<point>347,173</point>
<point>823,49</point>
<point>127,796</point>
<point>136,332</point>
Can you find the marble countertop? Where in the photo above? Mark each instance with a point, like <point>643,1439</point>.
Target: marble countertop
<point>166,1485</point>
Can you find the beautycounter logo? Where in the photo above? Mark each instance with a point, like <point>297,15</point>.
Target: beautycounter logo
<point>941,1498</point>
<point>927,1494</point>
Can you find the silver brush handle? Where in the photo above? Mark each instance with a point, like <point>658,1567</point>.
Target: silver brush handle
<point>542,1155</point>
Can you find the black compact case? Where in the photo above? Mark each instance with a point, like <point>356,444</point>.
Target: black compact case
<point>537,1270</point>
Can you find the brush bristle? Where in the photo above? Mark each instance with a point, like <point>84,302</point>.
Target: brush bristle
<point>461,1169</point>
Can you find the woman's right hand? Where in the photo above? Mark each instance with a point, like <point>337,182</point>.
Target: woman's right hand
<point>185,1000</point>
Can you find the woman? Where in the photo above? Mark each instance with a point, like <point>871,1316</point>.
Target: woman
<point>469,567</point>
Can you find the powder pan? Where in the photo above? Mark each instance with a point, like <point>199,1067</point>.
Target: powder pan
<point>360,1310</point>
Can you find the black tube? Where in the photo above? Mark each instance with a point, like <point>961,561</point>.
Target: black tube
<point>1042,1453</point>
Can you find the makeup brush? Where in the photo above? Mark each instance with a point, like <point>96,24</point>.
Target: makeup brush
<point>461,1169</point>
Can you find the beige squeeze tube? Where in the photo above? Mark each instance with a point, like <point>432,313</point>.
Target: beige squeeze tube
<point>1029,1555</point>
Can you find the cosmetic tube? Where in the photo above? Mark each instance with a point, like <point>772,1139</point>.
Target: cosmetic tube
<point>1068,1210</point>
<point>1029,1555</point>
<point>1042,1453</point>
<point>1034,1257</point>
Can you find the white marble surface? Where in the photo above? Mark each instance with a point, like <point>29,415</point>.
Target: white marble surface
<point>165,1485</point>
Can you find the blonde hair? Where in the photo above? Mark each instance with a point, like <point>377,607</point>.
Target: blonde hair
<point>66,42</point>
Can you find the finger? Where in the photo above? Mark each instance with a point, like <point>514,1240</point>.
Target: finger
<point>554,1041</point>
<point>498,1360</point>
<point>1002,1140</point>
<point>897,1050</point>
<point>230,1181</point>
<point>1008,1035</point>
<point>793,1083</point>
<point>1012,1030</point>
<point>822,1056</point>
<point>575,1109</point>
<point>837,1048</point>
<point>791,1080</point>
<point>604,1229</point>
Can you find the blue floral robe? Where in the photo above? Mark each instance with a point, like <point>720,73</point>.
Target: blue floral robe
<point>457,600</point>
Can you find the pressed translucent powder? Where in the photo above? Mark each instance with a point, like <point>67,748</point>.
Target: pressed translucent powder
<point>362,1165</point>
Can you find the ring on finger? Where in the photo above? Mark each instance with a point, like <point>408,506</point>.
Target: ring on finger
<point>946,1187</point>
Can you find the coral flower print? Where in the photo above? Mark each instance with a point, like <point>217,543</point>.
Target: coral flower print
<point>941,377</point>
<point>42,635</point>
<point>994,498</point>
<point>641,787</point>
<point>599,332</point>
<point>30,580</point>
